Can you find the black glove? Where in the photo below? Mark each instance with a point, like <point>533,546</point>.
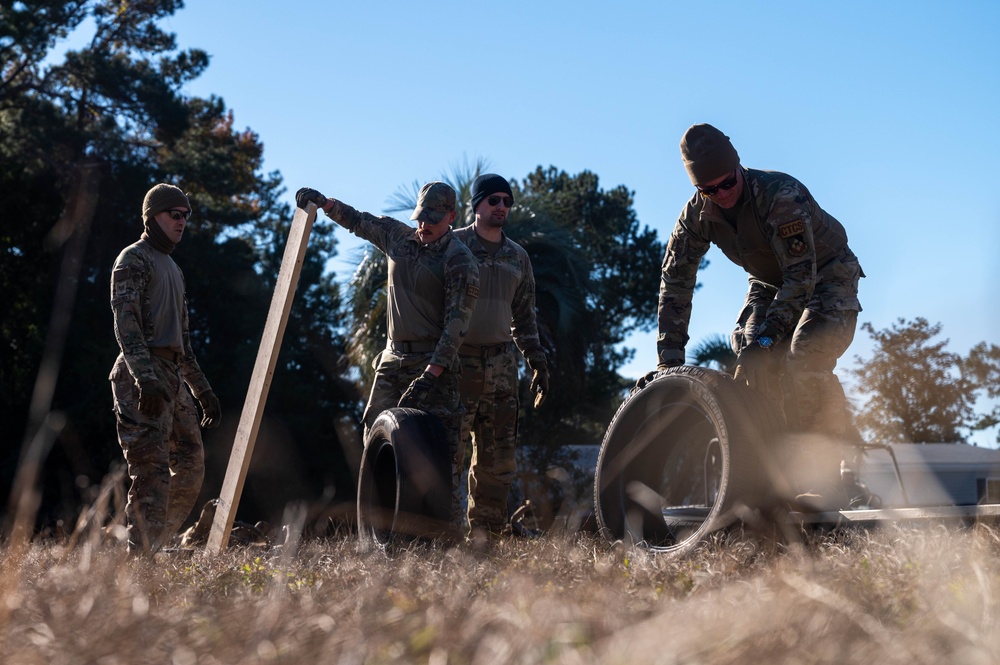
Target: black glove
<point>540,383</point>
<point>753,367</point>
<point>417,392</point>
<point>646,378</point>
<point>649,376</point>
<point>307,195</point>
<point>153,398</point>
<point>211,410</point>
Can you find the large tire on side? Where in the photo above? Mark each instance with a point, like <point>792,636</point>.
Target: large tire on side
<point>684,455</point>
<point>404,485</point>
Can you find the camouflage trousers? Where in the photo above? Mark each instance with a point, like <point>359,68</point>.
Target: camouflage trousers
<point>811,395</point>
<point>393,374</point>
<point>490,396</point>
<point>164,454</point>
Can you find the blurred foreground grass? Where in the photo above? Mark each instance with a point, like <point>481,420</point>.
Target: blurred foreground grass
<point>893,595</point>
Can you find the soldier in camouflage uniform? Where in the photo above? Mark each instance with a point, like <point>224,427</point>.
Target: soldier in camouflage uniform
<point>802,306</point>
<point>505,316</point>
<point>433,287</point>
<point>157,419</point>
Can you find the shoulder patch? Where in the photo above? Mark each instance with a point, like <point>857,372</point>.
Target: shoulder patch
<point>796,246</point>
<point>121,280</point>
<point>472,291</point>
<point>791,229</point>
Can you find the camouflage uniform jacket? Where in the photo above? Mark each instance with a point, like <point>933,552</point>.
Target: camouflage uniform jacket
<point>432,287</point>
<point>782,238</point>
<point>506,309</point>
<point>133,280</point>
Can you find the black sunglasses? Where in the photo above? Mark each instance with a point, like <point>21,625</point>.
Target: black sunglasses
<point>508,201</point>
<point>178,215</point>
<point>725,186</point>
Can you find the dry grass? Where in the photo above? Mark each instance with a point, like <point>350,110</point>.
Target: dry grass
<point>894,595</point>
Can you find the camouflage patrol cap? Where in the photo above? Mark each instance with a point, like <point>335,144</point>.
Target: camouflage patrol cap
<point>707,154</point>
<point>163,197</point>
<point>436,200</point>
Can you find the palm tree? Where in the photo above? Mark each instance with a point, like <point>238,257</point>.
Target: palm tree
<point>715,350</point>
<point>461,177</point>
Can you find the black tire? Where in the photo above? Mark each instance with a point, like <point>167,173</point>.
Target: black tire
<point>683,456</point>
<point>404,484</point>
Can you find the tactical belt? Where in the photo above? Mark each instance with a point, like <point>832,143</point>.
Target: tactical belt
<point>166,354</point>
<point>412,347</point>
<point>484,352</point>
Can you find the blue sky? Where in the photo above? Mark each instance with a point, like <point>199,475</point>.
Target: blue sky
<point>886,111</point>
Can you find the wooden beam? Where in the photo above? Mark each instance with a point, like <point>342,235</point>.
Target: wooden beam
<point>260,380</point>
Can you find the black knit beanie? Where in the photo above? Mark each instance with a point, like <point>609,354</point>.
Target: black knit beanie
<point>486,184</point>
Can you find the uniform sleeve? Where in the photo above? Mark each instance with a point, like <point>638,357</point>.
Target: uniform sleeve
<point>790,225</point>
<point>678,276</point>
<point>129,278</point>
<point>190,368</point>
<point>524,326</point>
<point>461,291</point>
<point>377,230</point>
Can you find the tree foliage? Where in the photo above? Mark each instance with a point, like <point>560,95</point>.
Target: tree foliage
<point>622,260</point>
<point>919,392</point>
<point>715,351</point>
<point>103,121</point>
<point>115,106</point>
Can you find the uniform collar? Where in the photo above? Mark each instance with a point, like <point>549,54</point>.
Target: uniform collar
<point>438,244</point>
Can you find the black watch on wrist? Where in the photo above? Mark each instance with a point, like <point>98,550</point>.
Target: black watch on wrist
<point>765,341</point>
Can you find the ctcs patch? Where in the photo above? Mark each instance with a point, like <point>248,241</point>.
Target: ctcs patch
<point>791,229</point>
<point>472,291</point>
<point>792,232</point>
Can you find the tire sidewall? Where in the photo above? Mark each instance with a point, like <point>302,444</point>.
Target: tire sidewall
<point>624,456</point>
<point>404,483</point>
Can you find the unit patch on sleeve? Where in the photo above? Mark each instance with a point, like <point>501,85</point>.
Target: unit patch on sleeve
<point>121,279</point>
<point>796,246</point>
<point>472,291</point>
<point>791,229</point>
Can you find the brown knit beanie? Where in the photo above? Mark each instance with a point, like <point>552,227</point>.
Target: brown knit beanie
<point>163,197</point>
<point>707,154</point>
